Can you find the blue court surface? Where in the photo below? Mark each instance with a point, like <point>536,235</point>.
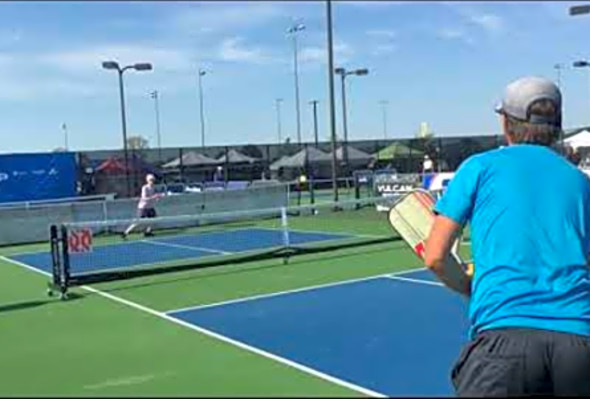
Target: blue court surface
<point>397,335</point>
<point>164,249</point>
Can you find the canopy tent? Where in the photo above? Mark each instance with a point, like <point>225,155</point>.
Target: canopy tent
<point>306,156</point>
<point>235,156</point>
<point>191,159</point>
<point>353,155</point>
<point>397,150</point>
<point>581,139</point>
<point>282,162</point>
<point>114,165</point>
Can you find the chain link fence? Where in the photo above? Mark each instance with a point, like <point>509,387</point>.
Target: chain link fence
<point>102,172</point>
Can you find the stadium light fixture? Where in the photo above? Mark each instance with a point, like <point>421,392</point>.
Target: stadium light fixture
<point>343,74</point>
<point>110,65</point>
<point>579,10</point>
<point>143,67</point>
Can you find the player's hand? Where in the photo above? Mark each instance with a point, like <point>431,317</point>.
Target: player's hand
<point>469,269</point>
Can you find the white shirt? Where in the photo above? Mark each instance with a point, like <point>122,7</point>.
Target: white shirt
<point>148,198</point>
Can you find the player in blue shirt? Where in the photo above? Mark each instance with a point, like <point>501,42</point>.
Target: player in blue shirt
<point>529,215</point>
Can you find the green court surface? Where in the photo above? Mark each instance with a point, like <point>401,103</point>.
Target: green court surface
<point>113,339</point>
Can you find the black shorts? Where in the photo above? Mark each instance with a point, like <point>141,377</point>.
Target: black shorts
<point>146,213</point>
<point>520,361</point>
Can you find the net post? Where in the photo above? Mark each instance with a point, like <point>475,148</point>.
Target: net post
<point>55,260</point>
<point>64,275</point>
<point>311,188</point>
<point>357,189</point>
<point>285,230</point>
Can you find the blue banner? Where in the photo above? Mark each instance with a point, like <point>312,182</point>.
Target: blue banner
<point>29,177</point>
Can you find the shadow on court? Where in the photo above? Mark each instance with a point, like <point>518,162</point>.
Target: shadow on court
<point>18,306</point>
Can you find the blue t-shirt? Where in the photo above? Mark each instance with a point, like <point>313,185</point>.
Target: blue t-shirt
<point>529,215</point>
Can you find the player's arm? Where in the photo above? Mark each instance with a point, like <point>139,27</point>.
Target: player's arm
<point>442,235</point>
<point>145,196</point>
<point>453,211</point>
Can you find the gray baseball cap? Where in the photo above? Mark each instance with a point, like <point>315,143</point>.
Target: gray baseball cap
<point>522,93</point>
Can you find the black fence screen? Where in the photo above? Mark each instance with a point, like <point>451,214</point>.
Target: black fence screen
<point>105,171</point>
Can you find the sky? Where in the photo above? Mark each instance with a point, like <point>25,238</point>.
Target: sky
<point>444,63</point>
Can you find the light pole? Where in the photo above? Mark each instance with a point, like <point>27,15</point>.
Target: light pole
<point>573,11</point>
<point>314,104</point>
<point>278,102</point>
<point>558,68</point>
<point>201,74</point>
<point>332,107</point>
<point>343,74</point>
<point>155,95</point>
<point>64,127</point>
<point>581,64</point>
<point>384,104</point>
<point>293,32</point>
<point>138,67</point>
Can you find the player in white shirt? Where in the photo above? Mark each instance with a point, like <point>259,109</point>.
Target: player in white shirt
<point>146,205</point>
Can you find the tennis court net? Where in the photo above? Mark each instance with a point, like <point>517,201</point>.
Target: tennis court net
<point>90,252</point>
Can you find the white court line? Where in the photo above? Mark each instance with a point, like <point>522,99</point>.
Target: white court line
<point>28,267</point>
<point>415,280</point>
<point>293,291</point>
<point>202,249</point>
<point>223,338</point>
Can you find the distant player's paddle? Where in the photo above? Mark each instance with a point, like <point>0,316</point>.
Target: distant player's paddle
<point>412,217</point>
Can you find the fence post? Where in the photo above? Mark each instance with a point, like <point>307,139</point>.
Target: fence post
<point>267,166</point>
<point>440,153</point>
<point>226,169</point>
<point>181,165</point>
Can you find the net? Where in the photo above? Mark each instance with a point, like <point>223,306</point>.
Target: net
<point>90,252</point>
<point>29,224</point>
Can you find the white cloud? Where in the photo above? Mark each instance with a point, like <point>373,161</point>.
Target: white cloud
<point>312,54</point>
<point>343,53</point>
<point>455,34</point>
<point>384,49</point>
<point>28,88</point>
<point>450,33</point>
<point>382,33</point>
<point>221,16</point>
<point>233,50</point>
<point>10,37</point>
<point>490,22</point>
<point>89,60</point>
<point>376,4</point>
<point>78,72</point>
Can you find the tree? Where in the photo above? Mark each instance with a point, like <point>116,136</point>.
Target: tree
<point>424,132</point>
<point>137,143</point>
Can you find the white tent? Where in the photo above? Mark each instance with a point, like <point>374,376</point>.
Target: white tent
<point>190,159</point>
<point>303,157</point>
<point>581,139</point>
<point>236,157</point>
<point>353,154</point>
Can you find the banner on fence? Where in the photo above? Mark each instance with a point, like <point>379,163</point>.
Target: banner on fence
<point>29,177</point>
